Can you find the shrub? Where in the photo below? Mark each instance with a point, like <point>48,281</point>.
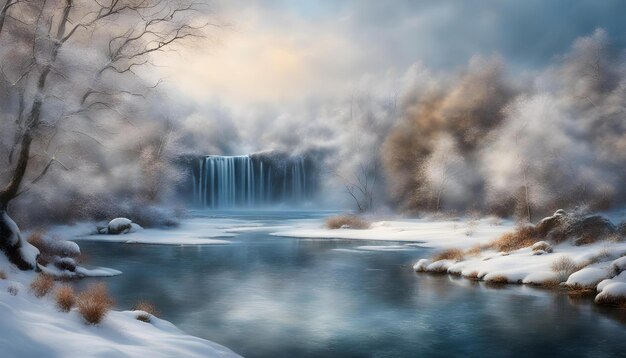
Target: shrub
<point>3,275</point>
<point>42,285</point>
<point>147,307</point>
<point>65,298</point>
<point>13,290</point>
<point>522,237</point>
<point>347,221</point>
<point>564,266</point>
<point>449,254</point>
<point>94,303</point>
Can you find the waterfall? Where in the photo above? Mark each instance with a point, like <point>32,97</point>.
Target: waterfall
<point>249,181</point>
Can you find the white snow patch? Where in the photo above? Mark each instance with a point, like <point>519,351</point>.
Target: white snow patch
<point>438,234</point>
<point>33,327</point>
<point>588,277</point>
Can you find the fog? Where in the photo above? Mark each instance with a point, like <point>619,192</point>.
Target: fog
<point>434,121</point>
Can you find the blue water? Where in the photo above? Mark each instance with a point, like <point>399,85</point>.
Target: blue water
<point>265,296</point>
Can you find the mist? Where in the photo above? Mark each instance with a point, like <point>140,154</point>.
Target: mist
<point>483,135</point>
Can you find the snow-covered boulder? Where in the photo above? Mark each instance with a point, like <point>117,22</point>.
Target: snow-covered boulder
<point>421,265</point>
<point>542,246</point>
<point>553,227</point>
<point>588,277</point>
<point>440,266</point>
<point>619,265</point>
<point>21,253</point>
<point>619,278</point>
<point>613,294</point>
<point>135,227</point>
<point>591,229</point>
<point>65,264</point>
<point>119,226</point>
<point>541,278</point>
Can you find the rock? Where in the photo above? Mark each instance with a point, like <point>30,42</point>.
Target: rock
<point>19,252</point>
<point>621,228</point>
<point>119,226</point>
<point>421,265</point>
<point>539,252</point>
<point>102,230</point>
<point>65,263</point>
<point>590,229</point>
<point>542,246</point>
<point>553,227</point>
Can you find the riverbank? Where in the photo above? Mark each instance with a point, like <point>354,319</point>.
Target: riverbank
<point>35,327</point>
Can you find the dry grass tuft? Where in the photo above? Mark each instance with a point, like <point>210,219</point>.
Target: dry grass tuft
<point>474,251</point>
<point>65,298</point>
<point>578,291</point>
<point>94,303</point>
<point>522,237</point>
<point>42,285</point>
<point>347,221</point>
<point>149,309</point>
<point>13,290</point>
<point>550,284</point>
<point>498,280</point>
<point>449,254</point>
<point>564,266</point>
<point>473,276</point>
<point>3,275</point>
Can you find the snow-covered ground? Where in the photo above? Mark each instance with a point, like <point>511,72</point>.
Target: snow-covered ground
<point>435,234</point>
<point>193,231</point>
<point>33,327</point>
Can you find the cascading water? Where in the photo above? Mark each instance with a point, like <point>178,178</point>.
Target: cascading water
<point>249,181</point>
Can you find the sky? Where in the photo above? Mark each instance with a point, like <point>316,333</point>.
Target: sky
<point>277,57</point>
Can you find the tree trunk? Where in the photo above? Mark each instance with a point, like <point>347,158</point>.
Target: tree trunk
<point>18,251</point>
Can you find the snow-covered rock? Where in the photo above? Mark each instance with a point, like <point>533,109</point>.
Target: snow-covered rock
<point>421,265</point>
<point>17,250</point>
<point>619,265</point>
<point>440,266</point>
<point>613,293</point>
<point>588,277</point>
<point>619,278</point>
<point>542,246</point>
<point>119,226</point>
<point>135,227</point>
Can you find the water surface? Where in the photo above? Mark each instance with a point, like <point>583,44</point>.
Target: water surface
<point>265,296</point>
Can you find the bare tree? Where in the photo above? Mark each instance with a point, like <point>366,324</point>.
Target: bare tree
<point>371,121</point>
<point>360,186</point>
<point>46,68</point>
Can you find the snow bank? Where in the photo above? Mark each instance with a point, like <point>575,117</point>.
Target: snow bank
<point>33,327</point>
<point>589,277</point>
<point>437,234</point>
<point>194,231</point>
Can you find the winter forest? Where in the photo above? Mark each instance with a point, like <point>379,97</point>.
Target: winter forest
<point>204,178</point>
